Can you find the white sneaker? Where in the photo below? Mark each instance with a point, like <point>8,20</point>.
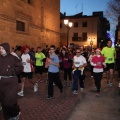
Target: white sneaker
<point>119,84</point>
<point>81,89</point>
<point>15,118</point>
<point>53,84</point>
<point>109,84</point>
<point>97,94</point>
<point>20,93</point>
<point>74,92</point>
<point>95,88</point>
<point>35,87</point>
<point>65,84</point>
<point>73,71</point>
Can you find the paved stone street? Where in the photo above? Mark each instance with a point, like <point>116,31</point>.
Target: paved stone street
<point>105,107</point>
<point>35,106</point>
<point>66,106</point>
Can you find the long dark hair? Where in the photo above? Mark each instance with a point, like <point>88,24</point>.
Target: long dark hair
<point>66,55</point>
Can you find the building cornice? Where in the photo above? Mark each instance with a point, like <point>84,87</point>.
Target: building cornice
<point>8,18</point>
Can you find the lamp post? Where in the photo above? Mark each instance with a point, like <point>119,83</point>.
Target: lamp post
<point>68,24</point>
<point>101,44</point>
<point>91,40</point>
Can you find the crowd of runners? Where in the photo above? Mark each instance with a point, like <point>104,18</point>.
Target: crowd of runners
<point>24,63</point>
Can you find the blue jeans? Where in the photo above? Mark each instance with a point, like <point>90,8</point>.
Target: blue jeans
<point>77,76</point>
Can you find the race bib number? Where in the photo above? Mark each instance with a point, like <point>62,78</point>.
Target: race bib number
<point>24,63</point>
<point>77,62</point>
<point>110,59</point>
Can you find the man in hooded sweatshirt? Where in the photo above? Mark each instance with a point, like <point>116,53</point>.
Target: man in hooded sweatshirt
<point>10,67</point>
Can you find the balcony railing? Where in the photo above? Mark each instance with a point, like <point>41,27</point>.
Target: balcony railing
<point>78,39</point>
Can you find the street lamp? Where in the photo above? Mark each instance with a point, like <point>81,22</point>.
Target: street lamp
<point>68,25</point>
<point>91,40</point>
<point>101,43</point>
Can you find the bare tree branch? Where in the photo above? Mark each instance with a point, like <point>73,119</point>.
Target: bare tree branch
<point>113,9</point>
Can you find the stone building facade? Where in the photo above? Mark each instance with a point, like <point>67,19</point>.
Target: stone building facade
<point>85,30</point>
<point>30,22</point>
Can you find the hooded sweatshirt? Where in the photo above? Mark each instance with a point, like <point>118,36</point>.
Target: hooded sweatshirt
<point>9,64</point>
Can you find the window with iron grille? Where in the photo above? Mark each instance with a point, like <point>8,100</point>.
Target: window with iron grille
<point>84,36</point>
<point>76,24</point>
<point>75,35</point>
<point>84,24</point>
<point>20,26</point>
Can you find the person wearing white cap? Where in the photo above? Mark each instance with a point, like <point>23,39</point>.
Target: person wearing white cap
<point>98,61</point>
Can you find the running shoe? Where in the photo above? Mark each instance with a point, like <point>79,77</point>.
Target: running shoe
<point>35,87</point>
<point>20,93</point>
